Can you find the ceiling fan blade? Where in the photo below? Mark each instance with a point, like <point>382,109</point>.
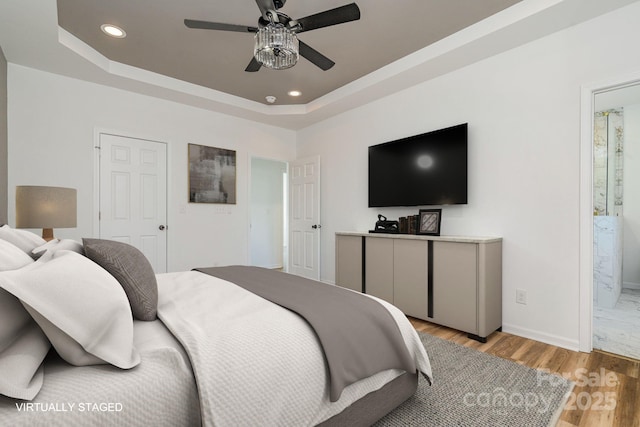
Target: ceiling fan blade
<point>253,66</point>
<point>314,56</point>
<point>339,15</point>
<point>206,25</point>
<point>264,6</point>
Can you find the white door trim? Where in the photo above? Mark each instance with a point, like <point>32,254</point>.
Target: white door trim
<point>588,92</point>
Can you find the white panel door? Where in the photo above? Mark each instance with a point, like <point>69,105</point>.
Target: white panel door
<point>304,217</point>
<point>133,195</point>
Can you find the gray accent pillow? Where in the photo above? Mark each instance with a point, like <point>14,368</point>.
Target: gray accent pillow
<point>132,269</point>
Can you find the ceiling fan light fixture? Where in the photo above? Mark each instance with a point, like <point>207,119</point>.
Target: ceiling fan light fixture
<point>276,47</point>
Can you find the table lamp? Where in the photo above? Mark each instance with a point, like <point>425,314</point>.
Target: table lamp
<point>46,208</point>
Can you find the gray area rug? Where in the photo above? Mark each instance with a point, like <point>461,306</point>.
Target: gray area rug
<point>472,388</point>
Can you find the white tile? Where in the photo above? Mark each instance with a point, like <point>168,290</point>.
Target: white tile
<point>617,330</point>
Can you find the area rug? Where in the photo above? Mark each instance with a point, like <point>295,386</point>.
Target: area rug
<point>472,388</point>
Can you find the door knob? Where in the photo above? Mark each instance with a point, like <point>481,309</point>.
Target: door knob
<point>314,226</point>
<point>161,228</point>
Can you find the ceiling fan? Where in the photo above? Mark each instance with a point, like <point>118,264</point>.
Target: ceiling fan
<point>276,43</point>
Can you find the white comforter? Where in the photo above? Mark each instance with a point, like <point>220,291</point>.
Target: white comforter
<point>256,363</point>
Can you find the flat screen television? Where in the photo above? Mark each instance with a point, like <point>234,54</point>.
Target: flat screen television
<point>426,169</point>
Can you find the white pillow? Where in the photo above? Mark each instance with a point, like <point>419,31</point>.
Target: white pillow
<point>52,246</point>
<point>80,307</point>
<point>66,346</point>
<point>23,347</point>
<point>11,257</point>
<point>23,239</point>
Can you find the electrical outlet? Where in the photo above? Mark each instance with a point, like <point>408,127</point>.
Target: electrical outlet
<point>521,296</point>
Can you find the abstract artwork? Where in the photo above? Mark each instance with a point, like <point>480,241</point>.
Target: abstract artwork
<point>212,175</point>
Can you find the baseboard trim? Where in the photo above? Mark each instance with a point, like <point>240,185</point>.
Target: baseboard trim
<point>631,285</point>
<point>552,339</point>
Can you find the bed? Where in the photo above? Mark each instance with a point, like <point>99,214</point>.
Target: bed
<point>89,336</point>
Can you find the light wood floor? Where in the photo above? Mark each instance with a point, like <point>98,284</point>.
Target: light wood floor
<point>603,380</point>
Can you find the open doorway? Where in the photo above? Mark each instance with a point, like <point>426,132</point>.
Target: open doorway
<point>616,220</point>
<point>268,221</point>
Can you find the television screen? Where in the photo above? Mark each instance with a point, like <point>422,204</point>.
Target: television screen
<point>427,169</point>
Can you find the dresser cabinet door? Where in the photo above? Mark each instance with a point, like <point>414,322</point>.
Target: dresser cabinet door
<point>379,267</point>
<point>349,262</point>
<point>410,270</point>
<point>455,272</point>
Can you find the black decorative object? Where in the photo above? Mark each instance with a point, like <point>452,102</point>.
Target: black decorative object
<point>429,222</point>
<point>385,226</point>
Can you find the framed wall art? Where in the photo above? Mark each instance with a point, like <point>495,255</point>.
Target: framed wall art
<point>429,221</point>
<point>212,175</point>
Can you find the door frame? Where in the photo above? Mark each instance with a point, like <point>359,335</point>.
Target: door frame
<point>95,215</point>
<point>588,92</point>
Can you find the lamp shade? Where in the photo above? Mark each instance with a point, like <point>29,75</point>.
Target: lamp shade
<point>46,207</point>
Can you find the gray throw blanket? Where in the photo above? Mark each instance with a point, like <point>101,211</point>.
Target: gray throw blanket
<point>358,335</point>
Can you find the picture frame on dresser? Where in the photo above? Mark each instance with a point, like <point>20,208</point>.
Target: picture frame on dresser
<point>429,221</point>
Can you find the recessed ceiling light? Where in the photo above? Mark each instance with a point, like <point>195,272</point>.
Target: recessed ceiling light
<point>295,93</point>
<point>270,99</point>
<point>113,31</point>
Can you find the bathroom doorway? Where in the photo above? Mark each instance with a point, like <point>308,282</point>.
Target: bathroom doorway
<point>616,221</point>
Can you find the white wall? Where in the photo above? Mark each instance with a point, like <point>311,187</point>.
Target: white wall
<point>52,125</point>
<point>523,110</point>
<point>631,197</point>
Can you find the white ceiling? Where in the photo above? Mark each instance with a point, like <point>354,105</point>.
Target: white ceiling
<point>393,46</point>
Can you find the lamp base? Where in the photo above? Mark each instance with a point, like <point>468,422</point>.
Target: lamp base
<point>47,234</point>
